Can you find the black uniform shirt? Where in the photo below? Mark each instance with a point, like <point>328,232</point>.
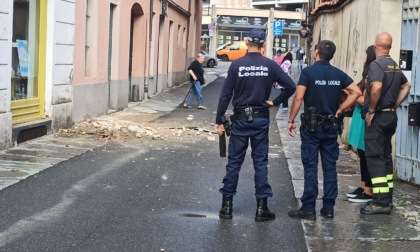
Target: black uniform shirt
<point>198,71</point>
<point>250,80</point>
<point>385,70</point>
<point>324,84</point>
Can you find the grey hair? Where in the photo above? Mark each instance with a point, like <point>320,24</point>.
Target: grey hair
<point>200,55</point>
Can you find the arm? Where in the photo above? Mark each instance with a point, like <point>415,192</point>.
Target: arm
<point>289,88</point>
<point>191,72</point>
<point>361,99</point>
<point>297,102</point>
<point>353,93</point>
<point>404,90</point>
<point>225,96</point>
<point>375,95</point>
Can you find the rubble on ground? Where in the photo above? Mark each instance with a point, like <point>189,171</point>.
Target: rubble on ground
<point>108,128</point>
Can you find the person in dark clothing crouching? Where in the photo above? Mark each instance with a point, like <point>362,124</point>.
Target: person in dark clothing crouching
<point>249,81</point>
<point>320,87</point>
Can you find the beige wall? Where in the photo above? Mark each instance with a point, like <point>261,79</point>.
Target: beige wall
<point>161,50</point>
<point>353,30</point>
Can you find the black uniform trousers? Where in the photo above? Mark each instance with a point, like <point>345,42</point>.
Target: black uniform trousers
<point>378,150</point>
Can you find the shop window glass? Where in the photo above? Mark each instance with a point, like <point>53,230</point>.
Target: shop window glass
<point>24,84</point>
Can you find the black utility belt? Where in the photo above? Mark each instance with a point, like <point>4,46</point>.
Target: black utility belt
<point>320,118</point>
<point>255,114</point>
<point>313,120</point>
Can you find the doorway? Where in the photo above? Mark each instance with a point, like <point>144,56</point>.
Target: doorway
<point>28,60</point>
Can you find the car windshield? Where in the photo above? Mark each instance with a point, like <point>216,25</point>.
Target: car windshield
<point>223,46</point>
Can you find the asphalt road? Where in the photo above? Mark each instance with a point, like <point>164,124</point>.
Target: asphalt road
<point>148,196</point>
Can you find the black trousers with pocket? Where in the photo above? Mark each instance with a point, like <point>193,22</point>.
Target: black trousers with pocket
<point>378,151</point>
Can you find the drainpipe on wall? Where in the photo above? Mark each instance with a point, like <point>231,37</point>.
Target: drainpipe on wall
<point>146,83</point>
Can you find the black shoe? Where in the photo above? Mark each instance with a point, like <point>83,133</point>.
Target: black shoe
<point>263,213</point>
<point>300,214</point>
<point>371,208</point>
<point>361,198</point>
<point>356,192</point>
<point>327,212</point>
<point>226,210</point>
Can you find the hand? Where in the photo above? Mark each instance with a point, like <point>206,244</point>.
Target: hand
<point>369,118</point>
<point>291,129</point>
<point>219,128</point>
<point>338,113</point>
<point>270,104</point>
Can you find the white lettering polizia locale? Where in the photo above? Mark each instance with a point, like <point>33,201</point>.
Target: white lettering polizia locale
<point>253,71</point>
<point>320,82</point>
<point>334,83</point>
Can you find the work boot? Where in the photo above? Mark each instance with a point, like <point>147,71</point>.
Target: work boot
<point>263,213</point>
<point>226,210</point>
<point>301,214</point>
<point>327,212</point>
<point>371,208</point>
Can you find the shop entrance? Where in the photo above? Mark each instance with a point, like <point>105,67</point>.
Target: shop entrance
<point>285,42</point>
<point>28,60</point>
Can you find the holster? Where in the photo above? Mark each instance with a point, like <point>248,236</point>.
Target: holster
<point>312,120</point>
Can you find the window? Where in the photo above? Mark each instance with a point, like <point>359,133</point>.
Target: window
<point>184,38</point>
<point>179,39</point>
<point>25,37</point>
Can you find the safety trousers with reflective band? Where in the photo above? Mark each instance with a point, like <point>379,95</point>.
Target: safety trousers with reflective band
<point>383,184</point>
<point>378,152</point>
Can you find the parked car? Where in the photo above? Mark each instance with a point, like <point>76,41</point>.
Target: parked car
<point>223,46</point>
<point>209,61</point>
<point>234,51</point>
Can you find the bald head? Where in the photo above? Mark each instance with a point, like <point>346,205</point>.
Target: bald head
<point>384,40</point>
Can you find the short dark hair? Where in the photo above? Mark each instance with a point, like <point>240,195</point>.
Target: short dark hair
<point>279,51</point>
<point>326,49</point>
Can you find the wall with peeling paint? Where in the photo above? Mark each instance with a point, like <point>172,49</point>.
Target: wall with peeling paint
<point>353,28</point>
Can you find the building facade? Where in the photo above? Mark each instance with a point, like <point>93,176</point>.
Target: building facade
<point>67,61</point>
<point>225,21</point>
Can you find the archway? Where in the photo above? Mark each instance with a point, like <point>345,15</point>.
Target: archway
<point>136,52</point>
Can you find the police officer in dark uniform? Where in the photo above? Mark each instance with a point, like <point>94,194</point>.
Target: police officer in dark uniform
<point>320,87</point>
<point>249,81</point>
<point>387,88</point>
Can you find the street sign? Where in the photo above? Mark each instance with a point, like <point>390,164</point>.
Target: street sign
<point>278,28</point>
